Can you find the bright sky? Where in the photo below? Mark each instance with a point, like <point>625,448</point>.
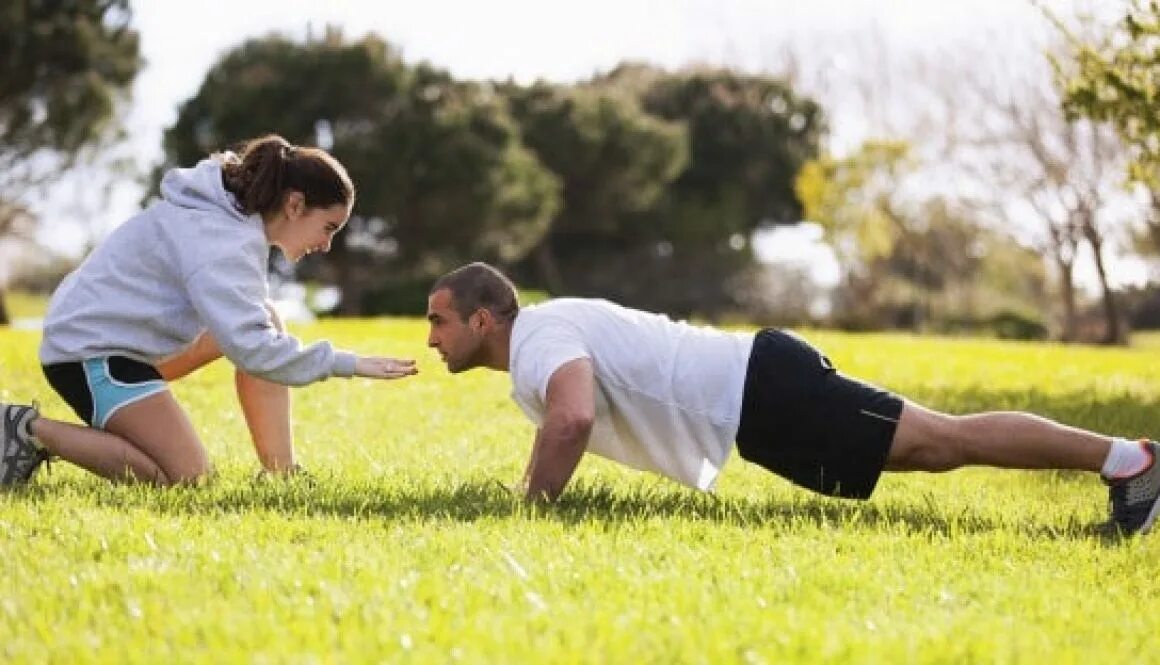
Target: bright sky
<point>526,39</point>
<point>531,39</point>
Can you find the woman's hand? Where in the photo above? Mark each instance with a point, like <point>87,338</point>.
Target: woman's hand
<point>373,367</point>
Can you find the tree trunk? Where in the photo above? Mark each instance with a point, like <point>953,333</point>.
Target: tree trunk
<point>351,286</point>
<point>1112,332</point>
<point>1153,220</point>
<point>347,279</point>
<point>4,320</point>
<point>1067,294</point>
<point>549,268</point>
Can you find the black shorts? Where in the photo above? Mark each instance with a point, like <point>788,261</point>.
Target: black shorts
<point>98,387</point>
<point>805,421</point>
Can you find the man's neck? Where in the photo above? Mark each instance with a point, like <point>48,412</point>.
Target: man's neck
<point>501,351</point>
<point>499,355</point>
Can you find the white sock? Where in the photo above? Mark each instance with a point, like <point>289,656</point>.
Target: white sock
<point>1125,459</point>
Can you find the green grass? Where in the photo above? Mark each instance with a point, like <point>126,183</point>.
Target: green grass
<point>1146,339</point>
<point>404,547</point>
<point>23,305</point>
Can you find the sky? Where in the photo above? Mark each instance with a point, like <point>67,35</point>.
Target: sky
<point>530,39</point>
<point>527,40</point>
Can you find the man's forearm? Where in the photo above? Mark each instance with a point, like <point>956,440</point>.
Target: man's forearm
<point>527,477</point>
<point>555,455</point>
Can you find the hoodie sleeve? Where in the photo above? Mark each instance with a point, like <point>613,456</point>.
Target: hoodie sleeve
<point>229,295</point>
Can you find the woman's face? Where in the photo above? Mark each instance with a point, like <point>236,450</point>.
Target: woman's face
<point>301,230</point>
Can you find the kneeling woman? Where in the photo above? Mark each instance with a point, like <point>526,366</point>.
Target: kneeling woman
<point>173,288</point>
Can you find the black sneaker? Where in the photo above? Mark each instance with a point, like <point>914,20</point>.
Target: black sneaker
<point>1136,500</point>
<point>20,454</point>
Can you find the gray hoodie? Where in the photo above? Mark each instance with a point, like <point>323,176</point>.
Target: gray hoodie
<point>188,263</point>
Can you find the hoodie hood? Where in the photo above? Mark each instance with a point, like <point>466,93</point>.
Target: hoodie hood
<point>200,188</point>
<point>190,263</point>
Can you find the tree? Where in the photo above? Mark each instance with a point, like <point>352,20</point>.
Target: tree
<point>978,111</point>
<point>852,198</point>
<point>1032,160</point>
<point>916,261</point>
<point>1064,174</point>
<point>1116,79</point>
<point>747,136</point>
<point>987,137</point>
<point>612,158</point>
<point>441,174</point>
<point>66,67</point>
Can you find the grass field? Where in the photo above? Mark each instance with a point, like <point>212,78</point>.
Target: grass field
<point>403,547</point>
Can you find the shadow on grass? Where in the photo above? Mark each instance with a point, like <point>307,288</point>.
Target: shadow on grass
<point>582,504</point>
<point>332,496</point>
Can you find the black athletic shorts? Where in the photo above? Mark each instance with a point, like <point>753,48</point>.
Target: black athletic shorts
<point>807,422</point>
<point>98,387</point>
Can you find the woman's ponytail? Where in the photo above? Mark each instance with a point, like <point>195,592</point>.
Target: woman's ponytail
<point>266,168</point>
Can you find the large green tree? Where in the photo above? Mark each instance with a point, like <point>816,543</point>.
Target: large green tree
<point>613,159</point>
<point>746,138</point>
<point>441,174</point>
<point>66,66</point>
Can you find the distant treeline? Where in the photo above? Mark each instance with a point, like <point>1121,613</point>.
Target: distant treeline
<point>640,185</point>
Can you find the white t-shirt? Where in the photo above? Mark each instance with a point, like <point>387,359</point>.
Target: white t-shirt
<point>668,394</point>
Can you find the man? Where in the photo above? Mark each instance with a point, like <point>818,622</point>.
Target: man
<point>672,398</point>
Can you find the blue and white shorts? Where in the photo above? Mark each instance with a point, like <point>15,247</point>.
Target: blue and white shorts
<point>98,387</point>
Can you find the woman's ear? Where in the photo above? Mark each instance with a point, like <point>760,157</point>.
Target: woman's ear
<point>294,205</point>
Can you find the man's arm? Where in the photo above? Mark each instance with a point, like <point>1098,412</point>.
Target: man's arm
<point>563,437</point>
<point>527,477</point>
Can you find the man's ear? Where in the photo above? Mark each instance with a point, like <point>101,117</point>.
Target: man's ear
<point>484,320</point>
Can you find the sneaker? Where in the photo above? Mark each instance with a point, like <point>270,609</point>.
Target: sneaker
<point>1136,499</point>
<point>20,454</point>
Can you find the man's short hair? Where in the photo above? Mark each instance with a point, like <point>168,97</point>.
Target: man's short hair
<point>480,286</point>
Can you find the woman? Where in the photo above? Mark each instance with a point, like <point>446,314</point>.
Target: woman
<point>173,288</point>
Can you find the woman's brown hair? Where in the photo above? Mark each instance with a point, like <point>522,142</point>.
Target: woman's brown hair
<point>261,173</point>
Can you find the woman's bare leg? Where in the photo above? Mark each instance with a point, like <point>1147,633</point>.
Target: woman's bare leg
<point>265,405</point>
<point>104,454</point>
<point>159,427</point>
<point>150,440</point>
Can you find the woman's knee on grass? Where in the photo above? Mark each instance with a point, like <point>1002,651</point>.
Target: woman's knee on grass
<point>183,467</point>
<point>190,471</point>
<point>159,428</point>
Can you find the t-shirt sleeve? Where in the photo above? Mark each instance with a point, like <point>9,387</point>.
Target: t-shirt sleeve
<point>543,351</point>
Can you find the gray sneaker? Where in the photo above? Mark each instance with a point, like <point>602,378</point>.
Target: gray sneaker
<point>20,454</point>
<point>1136,500</point>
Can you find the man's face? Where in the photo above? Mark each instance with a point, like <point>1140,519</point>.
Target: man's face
<point>459,342</point>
